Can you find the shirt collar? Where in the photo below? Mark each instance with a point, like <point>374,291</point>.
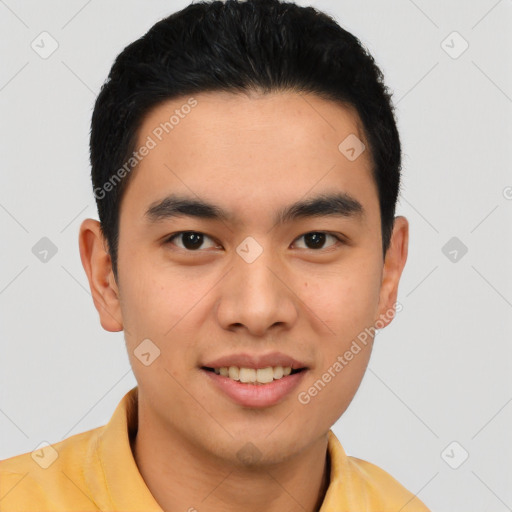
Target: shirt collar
<point>118,485</point>
<point>115,482</point>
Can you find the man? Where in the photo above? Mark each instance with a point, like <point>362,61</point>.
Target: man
<point>246,166</point>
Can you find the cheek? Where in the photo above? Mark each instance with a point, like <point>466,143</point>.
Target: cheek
<point>345,301</point>
<point>331,387</point>
<point>147,293</point>
<point>160,303</point>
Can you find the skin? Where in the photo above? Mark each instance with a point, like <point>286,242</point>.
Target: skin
<point>252,155</point>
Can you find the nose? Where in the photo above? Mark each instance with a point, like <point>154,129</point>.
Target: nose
<point>257,294</point>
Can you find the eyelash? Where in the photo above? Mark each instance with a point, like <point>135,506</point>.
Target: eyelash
<point>177,234</point>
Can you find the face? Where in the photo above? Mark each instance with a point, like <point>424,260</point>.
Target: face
<point>248,282</point>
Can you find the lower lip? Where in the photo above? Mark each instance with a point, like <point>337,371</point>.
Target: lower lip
<point>256,395</point>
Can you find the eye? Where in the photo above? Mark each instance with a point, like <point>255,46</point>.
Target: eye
<point>316,239</point>
<point>191,240</point>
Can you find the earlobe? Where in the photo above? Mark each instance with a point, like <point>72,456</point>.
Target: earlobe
<point>98,267</point>
<point>394,263</point>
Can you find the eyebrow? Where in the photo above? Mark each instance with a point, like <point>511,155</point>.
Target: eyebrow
<point>339,204</point>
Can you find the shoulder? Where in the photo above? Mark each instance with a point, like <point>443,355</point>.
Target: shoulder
<point>360,485</point>
<point>382,489</point>
<point>34,479</point>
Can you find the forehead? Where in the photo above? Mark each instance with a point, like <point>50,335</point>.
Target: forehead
<point>246,149</point>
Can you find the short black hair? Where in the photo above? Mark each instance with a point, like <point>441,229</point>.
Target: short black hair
<point>239,46</point>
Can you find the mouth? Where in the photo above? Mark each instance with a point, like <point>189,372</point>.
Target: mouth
<point>254,388</point>
<point>255,376</point>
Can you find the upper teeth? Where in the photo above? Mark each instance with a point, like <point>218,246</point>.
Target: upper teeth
<point>261,375</point>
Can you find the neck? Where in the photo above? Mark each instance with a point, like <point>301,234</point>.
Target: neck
<point>181,476</point>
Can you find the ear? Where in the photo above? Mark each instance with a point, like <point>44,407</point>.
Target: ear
<point>98,267</point>
<point>394,263</point>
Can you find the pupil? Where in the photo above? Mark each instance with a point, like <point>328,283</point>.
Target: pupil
<point>192,240</point>
<point>317,240</point>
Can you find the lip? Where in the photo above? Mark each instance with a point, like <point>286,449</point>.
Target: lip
<point>244,360</point>
<point>256,395</point>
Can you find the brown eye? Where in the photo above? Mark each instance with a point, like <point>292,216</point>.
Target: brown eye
<point>190,240</point>
<point>316,239</point>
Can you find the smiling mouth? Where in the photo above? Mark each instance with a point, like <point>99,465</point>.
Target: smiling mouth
<point>254,376</point>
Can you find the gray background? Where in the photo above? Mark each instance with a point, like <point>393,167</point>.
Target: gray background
<point>441,372</point>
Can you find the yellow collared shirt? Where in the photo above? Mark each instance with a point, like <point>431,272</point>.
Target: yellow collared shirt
<point>96,471</point>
